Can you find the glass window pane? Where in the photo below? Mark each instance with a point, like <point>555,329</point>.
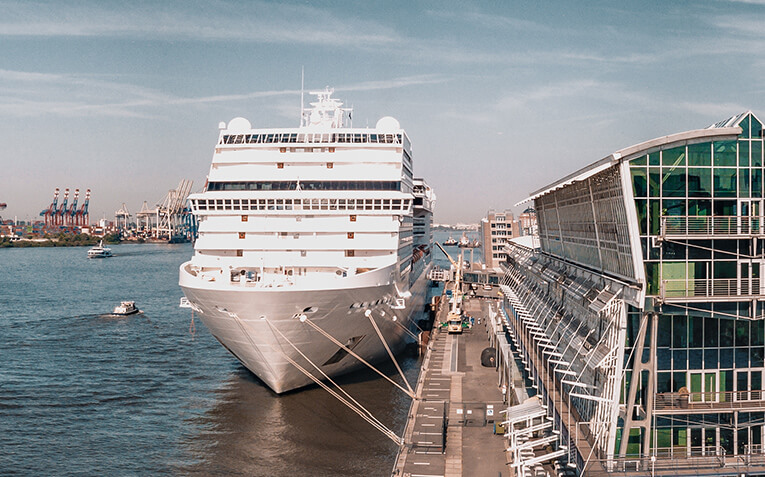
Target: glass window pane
<point>743,153</point>
<point>699,182</point>
<point>673,182</point>
<point>756,183</point>
<point>725,153</point>
<point>673,157</point>
<point>640,161</point>
<point>639,182</point>
<point>743,183</point>
<point>654,182</point>
<point>654,159</point>
<point>756,153</point>
<point>679,331</point>
<point>725,182</point>
<point>699,154</point>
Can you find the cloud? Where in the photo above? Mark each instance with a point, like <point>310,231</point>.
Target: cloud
<point>31,94</point>
<point>224,21</point>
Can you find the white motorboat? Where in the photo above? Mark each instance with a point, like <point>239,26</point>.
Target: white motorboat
<point>125,308</point>
<point>99,251</point>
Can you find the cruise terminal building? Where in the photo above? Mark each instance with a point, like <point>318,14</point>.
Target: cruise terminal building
<point>639,321</point>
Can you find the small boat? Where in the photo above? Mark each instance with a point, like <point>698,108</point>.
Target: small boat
<point>464,242</point>
<point>125,308</point>
<point>99,251</point>
<point>450,242</point>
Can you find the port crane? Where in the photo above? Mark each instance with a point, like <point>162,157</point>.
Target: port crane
<point>50,212</point>
<point>454,317</point>
<point>81,217</point>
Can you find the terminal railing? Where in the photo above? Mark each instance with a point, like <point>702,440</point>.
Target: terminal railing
<point>708,288</point>
<point>708,401</point>
<point>689,226</point>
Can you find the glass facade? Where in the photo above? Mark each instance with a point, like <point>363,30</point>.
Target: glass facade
<point>692,343</point>
<point>699,209</point>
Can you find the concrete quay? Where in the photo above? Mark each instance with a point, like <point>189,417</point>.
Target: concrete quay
<point>450,428</point>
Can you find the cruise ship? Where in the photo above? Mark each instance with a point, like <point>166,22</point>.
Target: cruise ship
<point>313,247</point>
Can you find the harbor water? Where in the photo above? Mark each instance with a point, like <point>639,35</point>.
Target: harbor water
<point>83,392</point>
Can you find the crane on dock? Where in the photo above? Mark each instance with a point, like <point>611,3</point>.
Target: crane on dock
<point>50,213</point>
<point>72,210</point>
<point>81,217</point>
<point>454,317</point>
<point>58,218</point>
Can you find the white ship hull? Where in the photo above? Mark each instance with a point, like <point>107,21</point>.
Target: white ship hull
<point>262,328</point>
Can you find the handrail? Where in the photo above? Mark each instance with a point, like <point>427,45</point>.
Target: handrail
<point>710,287</point>
<point>690,401</point>
<point>716,225</point>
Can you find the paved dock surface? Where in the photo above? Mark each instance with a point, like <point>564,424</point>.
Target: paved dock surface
<point>459,401</point>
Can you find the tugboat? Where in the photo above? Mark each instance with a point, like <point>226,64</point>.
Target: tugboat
<point>450,242</point>
<point>99,251</point>
<point>125,308</point>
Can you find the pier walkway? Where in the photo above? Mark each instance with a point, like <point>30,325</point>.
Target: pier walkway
<point>450,429</point>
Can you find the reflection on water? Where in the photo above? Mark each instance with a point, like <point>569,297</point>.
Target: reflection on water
<point>251,431</point>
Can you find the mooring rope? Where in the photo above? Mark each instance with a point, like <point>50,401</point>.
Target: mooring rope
<point>355,406</point>
<point>368,314</point>
<point>410,393</point>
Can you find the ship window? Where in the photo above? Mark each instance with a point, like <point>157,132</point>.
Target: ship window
<point>241,235</point>
<point>330,165</point>
<point>349,253</point>
<point>353,218</point>
<point>240,253</point>
<point>302,253</point>
<point>331,149</point>
<point>244,218</point>
<point>350,235</point>
<point>280,165</point>
<point>324,204</point>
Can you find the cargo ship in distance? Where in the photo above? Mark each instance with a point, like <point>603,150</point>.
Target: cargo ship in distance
<point>313,241</point>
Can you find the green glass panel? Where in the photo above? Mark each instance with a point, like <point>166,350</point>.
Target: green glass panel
<point>639,182</point>
<point>654,159</point>
<point>673,183</point>
<point>641,207</point>
<point>699,182</point>
<point>640,161</point>
<point>756,128</point>
<point>742,333</point>
<point>695,332</point>
<point>696,387</point>
<point>743,183</point>
<point>697,207</point>
<point>700,154</point>
<point>675,207</point>
<point>680,437</point>
<point>724,182</point>
<point>654,182</point>
<point>678,381</point>
<point>652,277</point>
<point>663,438</point>
<point>756,153</point>
<point>757,183</point>
<point>724,153</point>
<point>744,125</point>
<point>743,153</point>
<point>654,216</point>
<point>758,328</point>
<point>726,333</point>
<point>724,269</point>
<point>673,157</point>
<point>633,444</point>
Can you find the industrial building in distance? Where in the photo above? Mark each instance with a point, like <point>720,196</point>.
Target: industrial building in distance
<point>639,318</point>
<point>170,220</point>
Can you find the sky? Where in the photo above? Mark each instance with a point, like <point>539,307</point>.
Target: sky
<point>500,98</point>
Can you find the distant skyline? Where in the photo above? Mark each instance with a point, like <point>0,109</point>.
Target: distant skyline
<point>499,98</point>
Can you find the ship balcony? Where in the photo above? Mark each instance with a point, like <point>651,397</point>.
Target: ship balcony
<point>711,289</point>
<point>709,402</point>
<point>709,227</point>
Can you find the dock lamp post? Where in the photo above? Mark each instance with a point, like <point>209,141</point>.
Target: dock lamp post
<point>653,463</point>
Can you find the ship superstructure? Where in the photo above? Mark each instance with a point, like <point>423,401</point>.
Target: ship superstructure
<point>309,237</point>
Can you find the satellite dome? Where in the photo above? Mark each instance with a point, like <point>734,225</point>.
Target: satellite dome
<point>388,124</point>
<point>239,125</point>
